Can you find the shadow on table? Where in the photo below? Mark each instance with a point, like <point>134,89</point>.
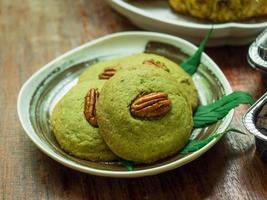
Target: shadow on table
<point>253,175</point>
<point>200,179</point>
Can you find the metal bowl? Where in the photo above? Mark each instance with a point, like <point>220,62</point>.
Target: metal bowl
<point>257,58</point>
<point>257,55</point>
<point>249,120</point>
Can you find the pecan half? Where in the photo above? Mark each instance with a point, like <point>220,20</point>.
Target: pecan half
<point>90,106</point>
<point>156,64</point>
<point>151,105</point>
<point>107,73</point>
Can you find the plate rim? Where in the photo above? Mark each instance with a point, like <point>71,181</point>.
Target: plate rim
<point>125,174</point>
<point>228,25</point>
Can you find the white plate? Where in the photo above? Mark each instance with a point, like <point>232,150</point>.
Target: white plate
<point>157,16</point>
<point>44,88</point>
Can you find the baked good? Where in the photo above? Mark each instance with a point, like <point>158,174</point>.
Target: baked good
<point>106,69</point>
<point>73,132</point>
<point>157,129</point>
<point>221,10</point>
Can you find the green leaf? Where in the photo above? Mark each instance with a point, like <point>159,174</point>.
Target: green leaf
<point>127,164</point>
<point>191,64</point>
<point>213,112</point>
<point>194,145</point>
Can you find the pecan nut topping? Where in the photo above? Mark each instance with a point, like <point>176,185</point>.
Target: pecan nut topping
<point>151,105</point>
<point>90,106</point>
<point>107,73</point>
<point>156,64</point>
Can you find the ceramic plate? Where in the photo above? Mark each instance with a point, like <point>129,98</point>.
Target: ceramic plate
<point>156,15</point>
<point>42,91</point>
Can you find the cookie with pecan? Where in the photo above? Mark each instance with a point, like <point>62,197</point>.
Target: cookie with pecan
<point>142,116</point>
<point>104,70</point>
<point>74,123</point>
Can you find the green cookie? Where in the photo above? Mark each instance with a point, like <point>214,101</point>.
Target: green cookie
<point>141,139</point>
<point>187,87</point>
<point>72,131</point>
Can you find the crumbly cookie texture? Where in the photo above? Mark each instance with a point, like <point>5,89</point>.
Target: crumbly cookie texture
<point>73,132</point>
<point>221,10</point>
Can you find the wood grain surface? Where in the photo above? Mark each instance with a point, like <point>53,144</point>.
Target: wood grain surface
<point>33,32</point>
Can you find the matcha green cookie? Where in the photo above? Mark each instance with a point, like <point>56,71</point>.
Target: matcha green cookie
<point>158,127</point>
<point>72,131</point>
<point>187,88</point>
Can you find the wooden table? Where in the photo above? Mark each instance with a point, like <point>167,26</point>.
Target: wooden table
<point>34,32</point>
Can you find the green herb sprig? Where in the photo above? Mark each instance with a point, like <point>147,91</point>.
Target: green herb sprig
<point>191,64</point>
<point>209,114</point>
<point>127,164</point>
<point>194,145</point>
